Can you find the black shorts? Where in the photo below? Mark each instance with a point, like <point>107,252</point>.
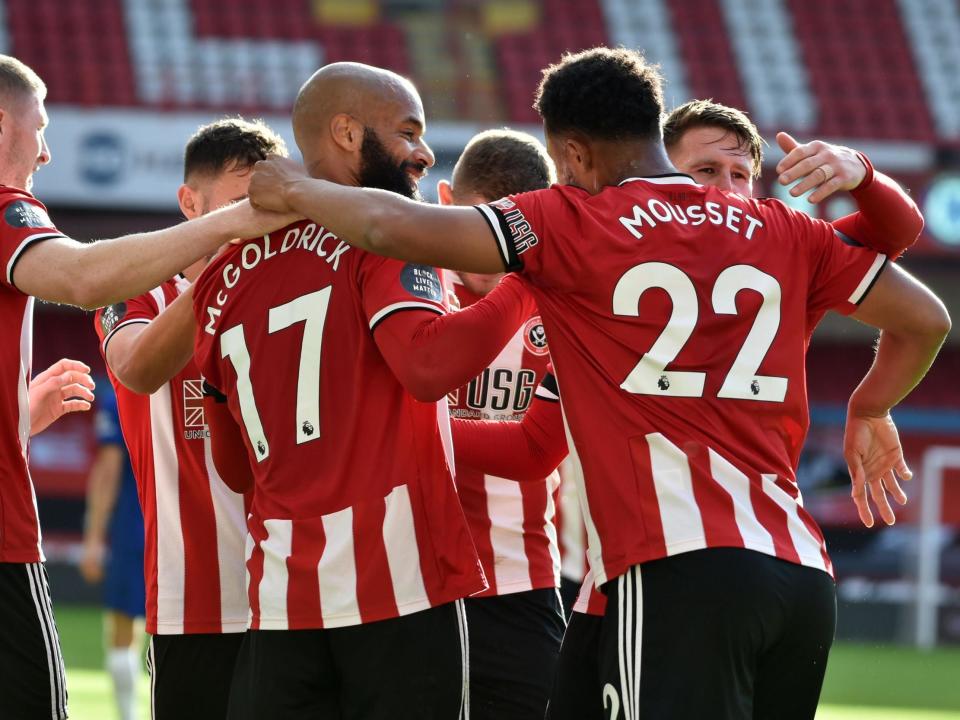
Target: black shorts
<point>722,633</point>
<point>576,689</point>
<point>407,668</point>
<point>514,645</point>
<point>191,675</point>
<point>32,679</point>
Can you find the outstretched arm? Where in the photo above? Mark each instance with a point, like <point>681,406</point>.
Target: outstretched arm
<point>913,324</point>
<point>526,451</point>
<point>887,220</point>
<point>433,354</point>
<point>95,274</point>
<point>457,238</point>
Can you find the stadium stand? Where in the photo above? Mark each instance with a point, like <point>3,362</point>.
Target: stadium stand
<point>860,69</point>
<point>770,65</point>
<point>882,69</point>
<point>933,27</point>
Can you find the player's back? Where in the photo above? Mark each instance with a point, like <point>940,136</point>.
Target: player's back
<point>680,360</point>
<point>353,487</point>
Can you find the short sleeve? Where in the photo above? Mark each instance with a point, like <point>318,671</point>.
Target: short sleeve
<point>108,320</point>
<point>106,421</point>
<point>841,271</point>
<point>23,222</point>
<point>390,286</point>
<point>517,225</point>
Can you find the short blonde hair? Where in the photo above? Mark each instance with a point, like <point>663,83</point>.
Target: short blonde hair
<point>17,79</point>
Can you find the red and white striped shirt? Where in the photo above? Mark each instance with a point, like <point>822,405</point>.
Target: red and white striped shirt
<point>681,360</point>
<point>194,525</point>
<point>355,516</point>
<point>23,222</point>
<point>512,523</point>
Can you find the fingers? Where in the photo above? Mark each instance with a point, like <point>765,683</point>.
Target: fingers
<point>786,142</point>
<point>74,377</point>
<point>60,367</point>
<point>858,489</point>
<point>72,406</point>
<point>891,485</point>
<point>826,189</point>
<point>902,470</point>
<point>76,391</point>
<point>880,500</point>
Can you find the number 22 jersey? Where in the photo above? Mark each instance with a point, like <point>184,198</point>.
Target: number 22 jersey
<point>355,516</point>
<point>678,318</point>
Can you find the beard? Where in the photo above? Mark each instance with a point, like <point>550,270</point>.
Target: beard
<point>379,170</point>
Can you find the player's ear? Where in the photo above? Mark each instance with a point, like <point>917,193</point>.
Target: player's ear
<point>445,192</point>
<point>347,132</point>
<point>189,201</point>
<point>578,154</point>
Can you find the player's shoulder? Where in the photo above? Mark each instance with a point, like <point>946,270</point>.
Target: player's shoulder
<point>20,209</point>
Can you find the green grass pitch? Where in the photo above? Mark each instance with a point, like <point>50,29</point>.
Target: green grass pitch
<point>863,682</point>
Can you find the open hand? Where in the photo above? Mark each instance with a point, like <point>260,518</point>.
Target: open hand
<point>64,387</point>
<point>819,166</point>
<point>871,447</point>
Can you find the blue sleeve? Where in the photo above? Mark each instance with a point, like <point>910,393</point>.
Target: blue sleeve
<point>107,420</point>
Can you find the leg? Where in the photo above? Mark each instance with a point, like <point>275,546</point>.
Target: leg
<point>123,662</point>
<point>190,675</point>
<point>514,644</point>
<point>790,673</point>
<point>576,688</point>
<point>408,668</point>
<point>32,678</point>
<point>124,598</point>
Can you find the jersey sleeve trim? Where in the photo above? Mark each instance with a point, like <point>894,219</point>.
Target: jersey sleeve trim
<point>868,280</point>
<point>24,244</point>
<point>389,310</point>
<point>113,332</point>
<point>211,392</point>
<point>547,389</point>
<point>501,232</point>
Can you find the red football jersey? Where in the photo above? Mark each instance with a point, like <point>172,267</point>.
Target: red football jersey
<point>355,516</point>
<point>194,525</point>
<point>512,523</point>
<point>681,359</point>
<point>24,222</point>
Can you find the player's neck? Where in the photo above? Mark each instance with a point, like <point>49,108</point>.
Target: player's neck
<point>338,172</point>
<point>616,162</point>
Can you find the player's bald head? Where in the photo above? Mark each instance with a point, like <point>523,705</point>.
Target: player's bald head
<point>361,91</point>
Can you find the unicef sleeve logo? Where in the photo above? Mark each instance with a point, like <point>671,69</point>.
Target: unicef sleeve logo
<point>103,157</point>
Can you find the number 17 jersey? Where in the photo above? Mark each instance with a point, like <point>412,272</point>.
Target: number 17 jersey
<point>355,516</point>
<point>679,317</point>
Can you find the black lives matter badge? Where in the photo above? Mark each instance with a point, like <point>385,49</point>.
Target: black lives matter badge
<point>22,214</point>
<point>422,281</point>
<point>111,315</point>
<point>535,337</point>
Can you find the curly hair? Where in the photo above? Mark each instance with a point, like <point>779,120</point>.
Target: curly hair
<point>604,93</point>
<point>706,113</point>
<point>497,163</point>
<point>229,143</point>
